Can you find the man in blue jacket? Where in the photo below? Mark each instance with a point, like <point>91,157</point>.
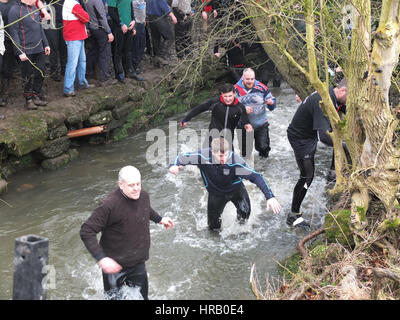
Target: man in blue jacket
<point>223,171</point>
<point>158,12</point>
<point>255,96</point>
<point>31,46</point>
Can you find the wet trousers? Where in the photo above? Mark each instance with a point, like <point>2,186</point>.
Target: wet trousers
<point>261,141</point>
<point>135,276</point>
<point>216,204</point>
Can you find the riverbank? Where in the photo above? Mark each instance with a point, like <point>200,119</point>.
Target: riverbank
<point>43,137</point>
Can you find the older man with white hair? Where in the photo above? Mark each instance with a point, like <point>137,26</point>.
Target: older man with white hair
<point>123,220</point>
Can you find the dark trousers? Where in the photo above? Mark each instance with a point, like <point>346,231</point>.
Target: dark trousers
<point>99,54</point>
<point>33,76</point>
<point>9,60</point>
<point>161,29</point>
<point>261,141</point>
<point>126,51</point>
<point>116,46</point>
<point>135,276</point>
<point>216,204</point>
<point>183,39</point>
<point>58,49</point>
<point>306,167</point>
<point>138,44</point>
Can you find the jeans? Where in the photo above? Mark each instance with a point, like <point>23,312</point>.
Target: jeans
<point>76,65</point>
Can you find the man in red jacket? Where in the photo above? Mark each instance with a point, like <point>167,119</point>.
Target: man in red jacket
<point>74,32</point>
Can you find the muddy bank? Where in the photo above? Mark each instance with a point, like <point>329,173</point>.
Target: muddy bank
<point>40,137</point>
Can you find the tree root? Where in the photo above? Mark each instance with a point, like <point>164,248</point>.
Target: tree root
<point>379,274</point>
<point>303,251</point>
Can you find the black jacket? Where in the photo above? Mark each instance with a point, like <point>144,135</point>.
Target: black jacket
<point>28,33</point>
<point>222,115</point>
<point>124,227</point>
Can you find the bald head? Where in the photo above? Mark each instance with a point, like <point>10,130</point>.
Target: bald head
<point>130,182</point>
<point>248,78</point>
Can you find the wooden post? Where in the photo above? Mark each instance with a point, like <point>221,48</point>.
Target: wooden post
<point>31,255</point>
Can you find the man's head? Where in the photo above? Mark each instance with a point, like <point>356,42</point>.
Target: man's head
<point>29,2</point>
<point>248,78</point>
<point>341,91</point>
<point>228,93</point>
<point>130,182</point>
<point>220,150</point>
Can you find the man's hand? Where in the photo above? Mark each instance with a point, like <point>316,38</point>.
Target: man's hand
<point>249,110</point>
<point>173,18</point>
<point>167,222</point>
<point>131,25</point>
<point>204,15</point>
<point>273,204</point>
<point>174,169</point>
<point>47,51</point>
<point>183,124</point>
<point>215,13</point>
<point>109,265</point>
<point>110,37</point>
<point>124,28</point>
<point>248,127</point>
<point>269,102</point>
<point>23,57</point>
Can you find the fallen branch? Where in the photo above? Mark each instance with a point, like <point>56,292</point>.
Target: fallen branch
<point>379,274</point>
<point>303,250</point>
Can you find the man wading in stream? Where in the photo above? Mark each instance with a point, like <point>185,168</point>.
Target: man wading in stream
<point>222,171</point>
<point>123,220</point>
<point>226,112</point>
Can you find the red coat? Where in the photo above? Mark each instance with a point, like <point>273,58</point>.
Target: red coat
<point>74,20</point>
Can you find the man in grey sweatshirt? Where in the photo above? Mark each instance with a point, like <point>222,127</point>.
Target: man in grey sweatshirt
<point>100,39</point>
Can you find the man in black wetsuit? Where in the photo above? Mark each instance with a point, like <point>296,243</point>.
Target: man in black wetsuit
<point>309,125</point>
<point>226,112</point>
<point>222,171</point>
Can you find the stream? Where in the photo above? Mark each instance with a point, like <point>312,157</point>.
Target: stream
<point>187,262</point>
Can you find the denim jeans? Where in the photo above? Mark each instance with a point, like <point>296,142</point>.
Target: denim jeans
<point>76,65</point>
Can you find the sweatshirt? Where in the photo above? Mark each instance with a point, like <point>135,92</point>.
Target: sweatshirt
<point>223,179</point>
<point>124,227</point>
<point>74,20</point>
<point>222,116</point>
<point>98,16</point>
<point>28,33</point>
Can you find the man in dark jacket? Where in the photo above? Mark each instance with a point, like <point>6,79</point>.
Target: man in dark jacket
<point>54,34</point>
<point>162,33</point>
<point>223,171</point>
<point>30,46</point>
<point>100,39</point>
<point>226,112</point>
<point>123,220</point>
<point>308,126</point>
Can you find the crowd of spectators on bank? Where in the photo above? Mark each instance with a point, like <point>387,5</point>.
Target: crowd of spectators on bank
<point>89,43</point>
